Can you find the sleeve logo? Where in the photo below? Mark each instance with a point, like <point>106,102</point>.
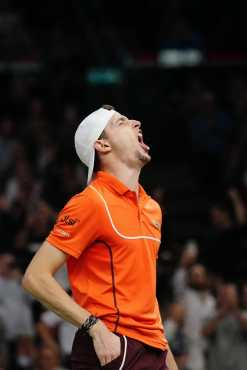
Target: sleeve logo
<point>67,220</point>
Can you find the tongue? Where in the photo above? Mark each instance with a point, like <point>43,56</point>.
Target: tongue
<point>145,147</point>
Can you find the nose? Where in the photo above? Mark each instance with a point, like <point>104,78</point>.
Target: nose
<point>135,124</point>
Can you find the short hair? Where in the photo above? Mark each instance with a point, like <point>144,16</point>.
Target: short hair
<point>108,107</point>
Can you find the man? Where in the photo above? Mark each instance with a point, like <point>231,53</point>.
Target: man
<point>109,235</point>
<point>188,258</point>
<point>199,305</point>
<point>226,331</point>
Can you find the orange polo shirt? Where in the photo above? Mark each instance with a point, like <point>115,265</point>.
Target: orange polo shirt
<point>112,241</point>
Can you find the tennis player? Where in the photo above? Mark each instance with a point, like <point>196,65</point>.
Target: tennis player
<point>109,236</point>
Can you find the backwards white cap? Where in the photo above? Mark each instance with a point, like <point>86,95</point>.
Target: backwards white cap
<point>88,131</point>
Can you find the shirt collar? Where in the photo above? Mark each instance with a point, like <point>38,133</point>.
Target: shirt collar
<point>116,185</point>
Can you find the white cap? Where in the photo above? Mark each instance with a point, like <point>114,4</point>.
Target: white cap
<point>88,131</point>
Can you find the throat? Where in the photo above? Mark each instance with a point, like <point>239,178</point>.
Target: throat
<point>128,176</point>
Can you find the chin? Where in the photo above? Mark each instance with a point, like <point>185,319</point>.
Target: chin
<point>145,158</point>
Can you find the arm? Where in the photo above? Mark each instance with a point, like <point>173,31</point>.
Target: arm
<point>47,337</point>
<point>170,361</point>
<point>40,282</point>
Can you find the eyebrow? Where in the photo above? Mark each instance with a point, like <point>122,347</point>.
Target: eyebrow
<point>121,118</point>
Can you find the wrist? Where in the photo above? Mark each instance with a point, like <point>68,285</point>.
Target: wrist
<point>88,324</point>
<point>94,331</point>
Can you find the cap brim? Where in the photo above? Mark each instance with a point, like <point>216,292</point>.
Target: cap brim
<point>91,167</point>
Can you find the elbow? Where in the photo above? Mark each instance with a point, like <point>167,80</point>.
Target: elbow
<point>35,282</point>
<point>31,282</point>
<point>27,281</point>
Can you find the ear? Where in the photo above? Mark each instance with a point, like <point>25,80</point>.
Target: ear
<point>102,146</point>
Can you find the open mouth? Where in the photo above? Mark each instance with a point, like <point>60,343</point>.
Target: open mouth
<point>141,142</point>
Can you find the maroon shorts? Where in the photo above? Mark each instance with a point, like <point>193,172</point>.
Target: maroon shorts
<point>134,355</point>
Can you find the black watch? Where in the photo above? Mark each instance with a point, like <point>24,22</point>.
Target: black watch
<point>88,324</point>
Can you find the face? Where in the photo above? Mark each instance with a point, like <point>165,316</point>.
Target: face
<point>188,258</point>
<point>228,297</point>
<point>124,141</point>
<point>198,277</point>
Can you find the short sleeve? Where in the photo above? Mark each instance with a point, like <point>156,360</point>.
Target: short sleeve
<point>76,226</point>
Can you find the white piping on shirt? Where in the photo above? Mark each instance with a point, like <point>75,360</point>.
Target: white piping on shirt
<point>125,352</point>
<point>114,227</point>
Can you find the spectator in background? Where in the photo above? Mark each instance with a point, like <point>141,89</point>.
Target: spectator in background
<point>26,353</point>
<point>48,359</point>
<point>39,218</point>
<point>227,331</point>
<point>228,230</point>
<point>21,187</point>
<point>15,312</point>
<point>199,305</point>
<point>56,334</point>
<point>174,328</point>
<point>221,217</point>
<point>180,277</point>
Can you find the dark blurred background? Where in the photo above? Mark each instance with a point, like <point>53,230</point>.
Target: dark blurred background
<point>180,68</point>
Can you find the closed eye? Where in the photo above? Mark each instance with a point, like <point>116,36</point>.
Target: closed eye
<point>121,120</point>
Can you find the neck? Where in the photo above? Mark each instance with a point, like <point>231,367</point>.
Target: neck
<point>128,176</point>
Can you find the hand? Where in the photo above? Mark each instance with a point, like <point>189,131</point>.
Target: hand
<point>106,344</point>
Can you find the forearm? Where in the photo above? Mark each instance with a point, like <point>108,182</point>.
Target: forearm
<point>170,361</point>
<point>46,337</point>
<point>48,291</point>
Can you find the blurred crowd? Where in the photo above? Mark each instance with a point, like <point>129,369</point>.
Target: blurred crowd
<point>96,34</point>
<point>202,284</point>
<point>39,172</point>
<point>205,315</point>
<point>32,338</point>
<point>206,320</point>
<point>37,176</point>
